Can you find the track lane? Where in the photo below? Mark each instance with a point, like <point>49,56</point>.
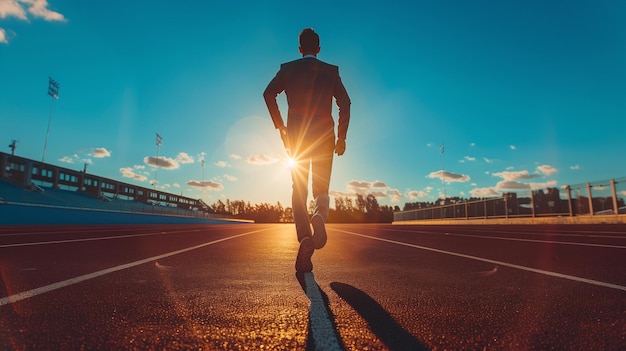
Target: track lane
<point>602,259</point>
<point>243,293</point>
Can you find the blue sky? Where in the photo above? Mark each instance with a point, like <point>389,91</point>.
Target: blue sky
<point>523,94</point>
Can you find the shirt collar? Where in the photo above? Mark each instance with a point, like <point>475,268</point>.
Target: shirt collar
<point>309,56</point>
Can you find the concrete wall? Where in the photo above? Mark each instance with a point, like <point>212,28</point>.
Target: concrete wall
<point>39,215</point>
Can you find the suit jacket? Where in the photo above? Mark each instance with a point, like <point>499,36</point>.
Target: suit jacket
<point>310,86</point>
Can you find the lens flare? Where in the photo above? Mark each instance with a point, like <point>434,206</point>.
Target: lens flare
<point>290,163</point>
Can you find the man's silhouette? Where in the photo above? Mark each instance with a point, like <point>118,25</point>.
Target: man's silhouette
<point>309,136</point>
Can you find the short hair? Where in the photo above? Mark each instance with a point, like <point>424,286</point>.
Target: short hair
<point>309,40</point>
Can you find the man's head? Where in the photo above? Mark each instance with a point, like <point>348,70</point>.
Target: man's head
<point>309,42</point>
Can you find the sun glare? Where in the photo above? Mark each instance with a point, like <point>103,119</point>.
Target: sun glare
<point>290,163</point>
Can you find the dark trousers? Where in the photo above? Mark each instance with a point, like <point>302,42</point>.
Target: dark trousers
<point>317,157</point>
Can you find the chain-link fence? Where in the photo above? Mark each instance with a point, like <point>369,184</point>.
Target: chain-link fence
<point>597,198</point>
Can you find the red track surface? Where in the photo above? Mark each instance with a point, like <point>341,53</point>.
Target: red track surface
<point>382,287</point>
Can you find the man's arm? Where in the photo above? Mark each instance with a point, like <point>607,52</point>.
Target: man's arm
<point>274,88</point>
<point>343,104</point>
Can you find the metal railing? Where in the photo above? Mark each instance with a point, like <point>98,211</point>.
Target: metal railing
<point>605,197</point>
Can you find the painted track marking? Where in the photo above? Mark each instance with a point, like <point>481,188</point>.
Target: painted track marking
<point>501,263</point>
<point>322,329</point>
<point>58,285</point>
<point>112,237</point>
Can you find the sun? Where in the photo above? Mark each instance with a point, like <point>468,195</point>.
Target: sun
<point>290,163</point>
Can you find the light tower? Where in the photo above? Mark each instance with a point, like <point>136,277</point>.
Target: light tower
<point>159,143</point>
<point>13,146</point>
<point>53,91</point>
<point>443,172</point>
<point>202,169</point>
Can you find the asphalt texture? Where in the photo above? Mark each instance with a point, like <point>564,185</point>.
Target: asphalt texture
<point>373,287</point>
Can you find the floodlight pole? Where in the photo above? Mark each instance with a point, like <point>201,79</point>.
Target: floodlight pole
<point>53,91</point>
<point>443,172</point>
<point>202,170</point>
<point>159,143</point>
<point>13,146</point>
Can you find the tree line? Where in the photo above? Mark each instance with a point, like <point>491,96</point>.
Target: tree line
<point>362,209</point>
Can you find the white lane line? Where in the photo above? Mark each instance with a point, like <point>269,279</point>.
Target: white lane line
<point>541,241</point>
<point>55,286</point>
<point>535,240</point>
<point>90,229</point>
<point>530,240</point>
<point>322,330</point>
<point>590,235</point>
<point>36,243</point>
<point>505,264</point>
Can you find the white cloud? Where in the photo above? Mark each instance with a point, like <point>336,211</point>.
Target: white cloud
<point>512,147</point>
<point>378,194</point>
<point>235,156</point>
<point>378,184</point>
<point>548,184</point>
<point>487,160</point>
<point>262,160</point>
<point>574,167</point>
<point>20,10</point>
<point>230,178</point>
<point>513,176</point>
<point>513,185</point>
<point>222,164</point>
<point>209,184</point>
<point>510,178</point>
<point>39,9</point>
<point>101,152</point>
<point>395,195</point>
<point>359,186</point>
<point>12,8</point>
<point>449,176</point>
<point>76,158</point>
<point>3,36</point>
<point>484,192</point>
<point>161,162</point>
<point>65,159</point>
<point>176,185</point>
<point>417,194</point>
<point>547,170</point>
<point>336,193</point>
<point>128,172</point>
<point>364,188</point>
<point>183,158</point>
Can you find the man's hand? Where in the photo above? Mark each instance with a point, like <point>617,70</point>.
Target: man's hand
<point>283,136</point>
<point>340,147</point>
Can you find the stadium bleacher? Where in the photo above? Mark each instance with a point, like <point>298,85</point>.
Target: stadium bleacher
<point>47,196</point>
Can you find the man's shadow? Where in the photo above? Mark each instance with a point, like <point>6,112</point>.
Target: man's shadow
<point>381,323</point>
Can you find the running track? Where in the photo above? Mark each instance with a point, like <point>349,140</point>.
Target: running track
<point>376,287</point>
